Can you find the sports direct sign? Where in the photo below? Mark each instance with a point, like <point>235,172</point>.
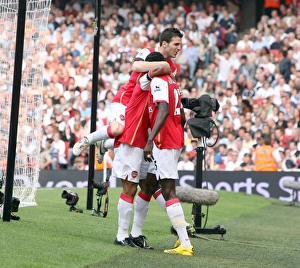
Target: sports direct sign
<point>267,184</point>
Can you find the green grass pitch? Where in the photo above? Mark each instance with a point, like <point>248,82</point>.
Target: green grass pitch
<point>260,233</point>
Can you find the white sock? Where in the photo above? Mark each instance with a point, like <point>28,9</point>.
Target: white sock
<point>100,134</point>
<point>125,212</point>
<point>160,199</point>
<point>109,144</point>
<point>141,206</point>
<point>176,216</point>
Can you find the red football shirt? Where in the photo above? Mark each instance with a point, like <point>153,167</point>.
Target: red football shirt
<point>165,89</point>
<point>137,118</point>
<point>124,93</point>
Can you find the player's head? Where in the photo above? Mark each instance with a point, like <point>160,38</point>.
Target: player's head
<point>170,41</point>
<point>169,33</point>
<point>155,56</point>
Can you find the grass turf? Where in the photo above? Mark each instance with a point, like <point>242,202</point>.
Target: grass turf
<point>260,233</point>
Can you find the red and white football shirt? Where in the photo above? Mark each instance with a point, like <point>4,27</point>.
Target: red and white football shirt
<point>165,89</point>
<point>137,119</point>
<point>124,93</point>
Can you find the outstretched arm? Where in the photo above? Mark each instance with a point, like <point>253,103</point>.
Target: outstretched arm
<point>145,66</point>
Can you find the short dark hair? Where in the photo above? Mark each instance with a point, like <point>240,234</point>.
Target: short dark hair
<point>168,34</point>
<point>155,56</point>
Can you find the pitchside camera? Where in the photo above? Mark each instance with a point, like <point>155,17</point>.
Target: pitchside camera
<point>72,199</point>
<point>101,187</point>
<point>202,106</point>
<point>14,203</point>
<point>202,124</point>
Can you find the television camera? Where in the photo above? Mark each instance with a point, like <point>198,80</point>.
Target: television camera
<point>71,200</point>
<point>201,124</point>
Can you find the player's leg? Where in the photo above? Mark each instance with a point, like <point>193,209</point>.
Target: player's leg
<point>115,129</point>
<point>128,173</point>
<point>141,206</point>
<point>125,212</point>
<point>152,187</point>
<point>166,161</point>
<point>102,147</point>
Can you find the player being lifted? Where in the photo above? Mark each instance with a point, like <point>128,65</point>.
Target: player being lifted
<point>169,47</point>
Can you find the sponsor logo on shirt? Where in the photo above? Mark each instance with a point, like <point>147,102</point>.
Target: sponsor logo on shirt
<point>157,88</point>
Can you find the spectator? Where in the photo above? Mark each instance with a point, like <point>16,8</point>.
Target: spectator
<point>285,64</point>
<point>79,164</point>
<point>221,156</point>
<point>246,68</point>
<point>185,163</point>
<point>244,43</point>
<point>229,25</point>
<point>225,65</point>
<point>277,44</point>
<point>234,162</point>
<point>210,159</point>
<point>49,150</point>
<point>260,42</point>
<point>266,158</point>
<point>60,146</point>
<point>192,53</point>
<point>247,164</point>
<point>182,63</point>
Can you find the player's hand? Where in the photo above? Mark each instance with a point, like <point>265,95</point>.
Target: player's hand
<point>148,151</point>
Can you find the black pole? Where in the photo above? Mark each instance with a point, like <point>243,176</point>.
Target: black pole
<point>14,114</point>
<point>197,212</point>
<point>91,171</point>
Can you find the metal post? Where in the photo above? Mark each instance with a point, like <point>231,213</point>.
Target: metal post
<point>199,170</point>
<point>91,170</point>
<point>14,114</point>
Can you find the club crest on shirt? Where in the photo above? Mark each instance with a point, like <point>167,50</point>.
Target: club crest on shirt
<point>134,174</point>
<point>122,117</point>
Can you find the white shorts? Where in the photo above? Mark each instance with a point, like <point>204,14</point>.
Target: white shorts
<point>129,163</point>
<point>118,113</point>
<point>166,162</point>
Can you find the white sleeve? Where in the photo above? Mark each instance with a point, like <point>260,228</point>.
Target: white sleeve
<point>276,156</point>
<point>159,90</point>
<point>144,82</point>
<point>142,55</point>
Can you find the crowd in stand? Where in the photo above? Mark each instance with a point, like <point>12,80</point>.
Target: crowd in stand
<point>254,74</point>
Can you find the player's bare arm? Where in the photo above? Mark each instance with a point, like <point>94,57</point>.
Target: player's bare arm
<point>163,112</point>
<point>143,66</point>
<point>183,119</point>
<point>160,70</point>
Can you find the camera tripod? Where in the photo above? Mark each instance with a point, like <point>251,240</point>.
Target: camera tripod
<point>73,208</point>
<point>98,212</point>
<point>196,209</point>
